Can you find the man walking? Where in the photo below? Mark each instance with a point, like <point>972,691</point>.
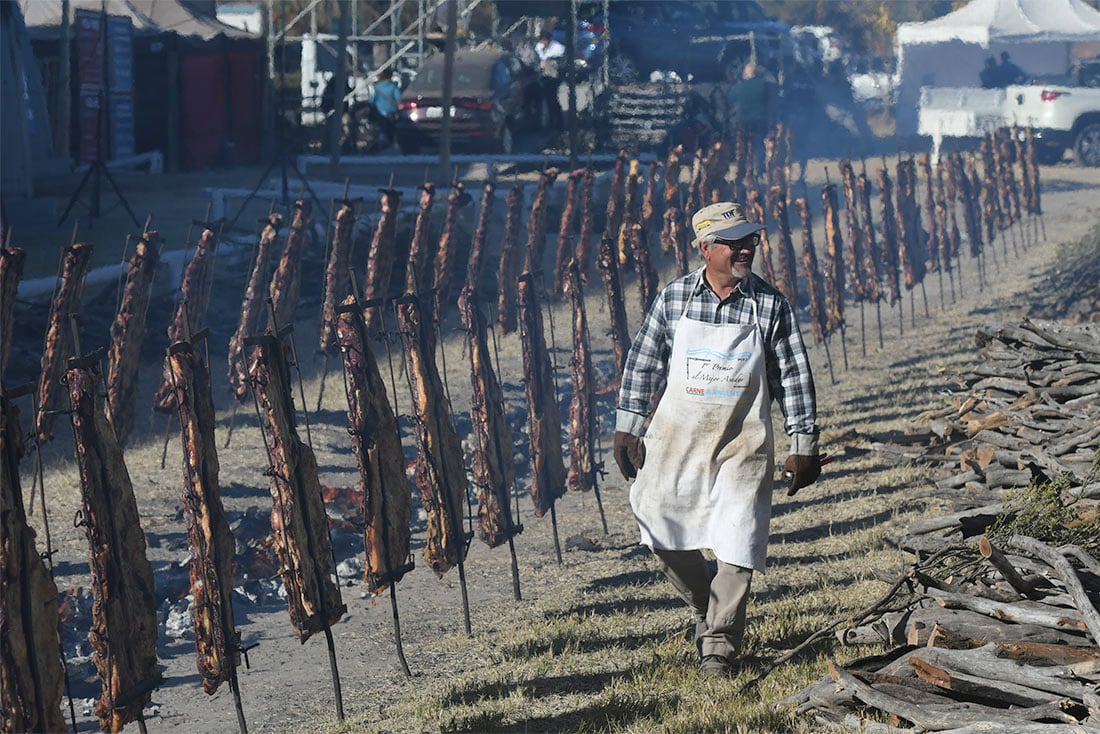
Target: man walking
<point>717,346</point>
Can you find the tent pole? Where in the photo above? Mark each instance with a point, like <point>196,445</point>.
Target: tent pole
<point>64,98</point>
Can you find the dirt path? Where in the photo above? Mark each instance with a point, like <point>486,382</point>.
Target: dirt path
<point>824,543</point>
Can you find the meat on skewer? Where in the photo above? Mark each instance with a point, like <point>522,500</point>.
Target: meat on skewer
<point>212,543</point>
<point>447,257</point>
<point>298,521</point>
<point>440,474</point>
<point>566,248</point>
<point>643,266</point>
<point>615,197</point>
<point>548,475</point>
<point>416,275</point>
<point>536,221</point>
<point>631,212</point>
<point>872,291</point>
<point>890,264</point>
<point>337,275</point>
<point>59,341</point>
<point>128,333</point>
<point>834,260</point>
<point>123,632</point>
<point>679,239</point>
<point>608,263</point>
<point>819,319</point>
<point>855,233</point>
<point>493,468</point>
<point>190,315</point>
<point>286,283</point>
<point>12,260</point>
<point>31,677</point>
<point>935,234</point>
<point>511,260</point>
<point>588,215</point>
<point>481,236</point>
<point>651,202</point>
<point>910,240</point>
<point>755,213</point>
<point>582,414</point>
<point>380,257</point>
<point>786,270</point>
<point>376,441</point>
<point>253,307</point>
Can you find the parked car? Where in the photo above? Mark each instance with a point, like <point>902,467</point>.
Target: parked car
<point>709,41</point>
<point>495,95</point>
<point>1065,113</point>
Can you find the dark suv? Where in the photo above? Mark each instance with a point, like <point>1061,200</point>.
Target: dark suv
<point>495,95</point>
<point>709,40</point>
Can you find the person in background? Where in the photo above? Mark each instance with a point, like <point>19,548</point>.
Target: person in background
<point>551,55</point>
<point>1008,72</point>
<point>715,349</point>
<point>988,74</point>
<point>384,100</point>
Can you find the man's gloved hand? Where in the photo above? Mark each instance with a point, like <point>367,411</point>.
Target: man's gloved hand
<point>801,471</point>
<point>629,453</point>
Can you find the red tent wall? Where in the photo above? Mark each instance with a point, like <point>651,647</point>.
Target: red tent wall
<point>203,109</point>
<point>245,95</point>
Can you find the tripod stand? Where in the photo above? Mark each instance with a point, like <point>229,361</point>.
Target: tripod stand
<point>282,153</point>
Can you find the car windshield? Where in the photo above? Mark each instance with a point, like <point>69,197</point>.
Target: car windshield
<point>466,76</point>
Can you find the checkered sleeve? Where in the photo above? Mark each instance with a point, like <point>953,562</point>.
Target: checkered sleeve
<point>645,372</point>
<point>790,378</point>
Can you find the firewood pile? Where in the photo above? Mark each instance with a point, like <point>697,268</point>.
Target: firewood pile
<point>995,626</point>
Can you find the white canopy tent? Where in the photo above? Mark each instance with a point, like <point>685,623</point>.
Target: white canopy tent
<point>1042,36</point>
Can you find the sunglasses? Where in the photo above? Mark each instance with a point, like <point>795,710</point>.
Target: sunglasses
<point>745,243</point>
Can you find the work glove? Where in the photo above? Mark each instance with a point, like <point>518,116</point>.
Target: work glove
<point>801,471</point>
<point>629,453</point>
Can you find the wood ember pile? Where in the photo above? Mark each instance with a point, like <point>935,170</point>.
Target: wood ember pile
<point>1001,633</point>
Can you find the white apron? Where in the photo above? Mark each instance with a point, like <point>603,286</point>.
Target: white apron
<point>707,477</point>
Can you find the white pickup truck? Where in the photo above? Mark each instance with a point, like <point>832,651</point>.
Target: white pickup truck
<point>1065,113</point>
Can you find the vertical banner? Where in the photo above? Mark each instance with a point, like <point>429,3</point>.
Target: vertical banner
<point>90,53</point>
<point>120,85</point>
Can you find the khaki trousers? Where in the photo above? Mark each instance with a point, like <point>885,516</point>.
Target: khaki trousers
<point>718,600</point>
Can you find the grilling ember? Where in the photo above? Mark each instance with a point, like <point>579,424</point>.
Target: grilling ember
<point>376,441</point>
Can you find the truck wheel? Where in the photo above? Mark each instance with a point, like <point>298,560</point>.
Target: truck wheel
<point>1087,146</point>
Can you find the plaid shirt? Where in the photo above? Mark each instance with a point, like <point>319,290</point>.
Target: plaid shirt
<point>789,377</point>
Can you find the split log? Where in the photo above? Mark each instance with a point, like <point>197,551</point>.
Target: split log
<point>548,474</point>
<point>212,543</point>
<point>59,341</point>
<point>298,520</point>
<point>973,687</point>
<point>123,631</point>
<point>376,442</point>
<point>998,560</point>
<point>439,474</point>
<point>31,677</point>
<point>984,662</point>
<point>493,467</point>
<point>971,521</point>
<point>1027,612</point>
<point>128,333</point>
<point>253,307</point>
<point>1062,567</point>
<point>961,628</point>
